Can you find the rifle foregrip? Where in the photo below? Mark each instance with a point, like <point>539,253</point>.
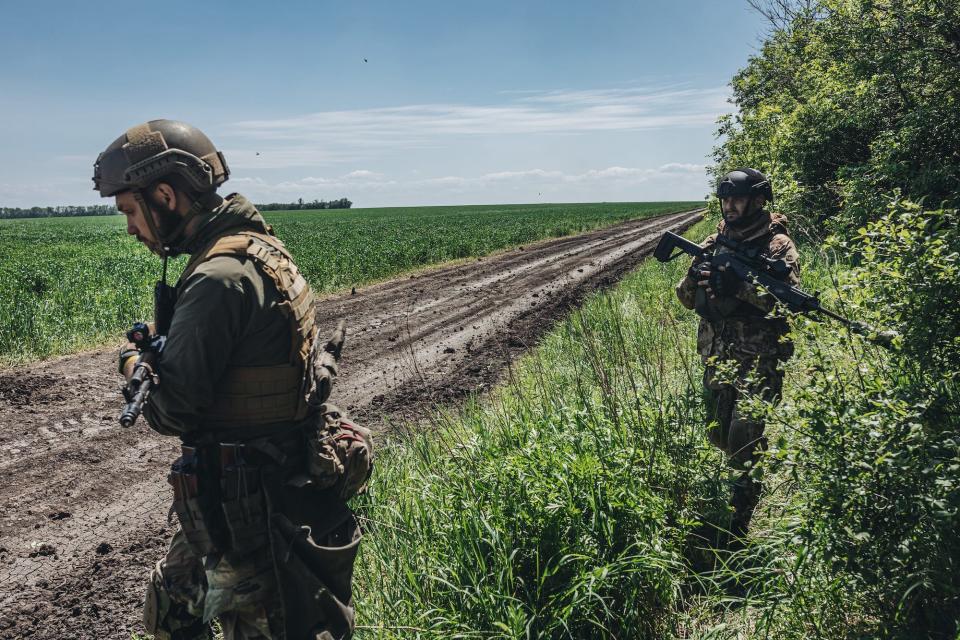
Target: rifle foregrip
<point>133,409</point>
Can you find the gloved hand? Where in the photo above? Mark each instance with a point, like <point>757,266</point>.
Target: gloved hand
<point>325,365</point>
<point>127,352</point>
<point>696,271</point>
<point>723,283</point>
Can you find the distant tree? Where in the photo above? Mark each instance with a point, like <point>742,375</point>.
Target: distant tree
<point>59,211</point>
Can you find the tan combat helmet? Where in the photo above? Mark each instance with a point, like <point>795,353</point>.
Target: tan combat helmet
<point>156,149</point>
<point>162,150</point>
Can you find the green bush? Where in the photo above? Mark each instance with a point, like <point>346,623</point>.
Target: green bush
<point>848,101</point>
<point>864,540</point>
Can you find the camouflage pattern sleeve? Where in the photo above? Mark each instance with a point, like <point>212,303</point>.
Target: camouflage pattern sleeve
<point>781,248</point>
<point>687,290</point>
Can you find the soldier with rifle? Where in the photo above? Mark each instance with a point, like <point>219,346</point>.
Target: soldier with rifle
<point>233,366</point>
<point>737,326</point>
<point>736,280</point>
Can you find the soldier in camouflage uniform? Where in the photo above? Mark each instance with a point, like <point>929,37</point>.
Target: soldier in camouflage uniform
<point>266,542</point>
<point>738,330</point>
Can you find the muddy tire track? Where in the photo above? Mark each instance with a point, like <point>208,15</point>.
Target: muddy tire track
<point>83,503</point>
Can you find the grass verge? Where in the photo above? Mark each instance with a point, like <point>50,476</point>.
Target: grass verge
<point>570,503</point>
<point>581,499</point>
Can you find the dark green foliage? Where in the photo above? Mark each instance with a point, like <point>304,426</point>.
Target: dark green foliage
<point>911,261</point>
<point>853,99</point>
<point>873,449</point>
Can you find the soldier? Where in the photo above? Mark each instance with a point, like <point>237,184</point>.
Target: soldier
<point>266,542</point>
<point>738,328</point>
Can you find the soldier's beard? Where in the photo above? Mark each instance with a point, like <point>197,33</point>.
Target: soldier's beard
<point>167,220</point>
<point>744,219</point>
<point>739,221</point>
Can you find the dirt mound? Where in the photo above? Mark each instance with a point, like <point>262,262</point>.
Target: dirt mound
<point>25,389</point>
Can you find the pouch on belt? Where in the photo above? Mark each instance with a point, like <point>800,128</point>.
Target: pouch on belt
<point>196,501</point>
<point>242,499</point>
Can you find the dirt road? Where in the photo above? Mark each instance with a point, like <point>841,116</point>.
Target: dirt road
<point>83,503</point>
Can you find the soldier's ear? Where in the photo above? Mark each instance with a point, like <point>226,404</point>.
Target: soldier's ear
<point>165,193</point>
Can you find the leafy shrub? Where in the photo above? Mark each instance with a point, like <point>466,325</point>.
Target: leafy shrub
<point>850,100</point>
<point>871,447</point>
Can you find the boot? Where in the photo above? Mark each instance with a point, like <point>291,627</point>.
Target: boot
<point>746,495</point>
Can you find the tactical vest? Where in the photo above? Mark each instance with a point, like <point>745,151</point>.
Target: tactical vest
<point>251,396</point>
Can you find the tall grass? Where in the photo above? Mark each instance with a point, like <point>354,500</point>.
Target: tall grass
<point>569,503</point>
<point>581,500</point>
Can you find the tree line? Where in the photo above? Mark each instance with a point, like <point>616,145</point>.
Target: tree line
<point>300,205</point>
<point>58,212</point>
<point>67,211</point>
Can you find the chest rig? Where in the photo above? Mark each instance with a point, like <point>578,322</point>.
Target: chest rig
<point>251,396</point>
<point>722,308</point>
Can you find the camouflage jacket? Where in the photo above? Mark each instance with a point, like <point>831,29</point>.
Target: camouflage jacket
<point>739,327</point>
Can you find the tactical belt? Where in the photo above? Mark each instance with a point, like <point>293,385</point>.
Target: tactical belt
<point>221,491</point>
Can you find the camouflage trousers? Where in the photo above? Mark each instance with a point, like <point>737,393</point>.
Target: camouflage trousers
<point>183,596</point>
<point>737,433</point>
<point>242,594</point>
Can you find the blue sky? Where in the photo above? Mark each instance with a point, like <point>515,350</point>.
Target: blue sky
<point>458,102</point>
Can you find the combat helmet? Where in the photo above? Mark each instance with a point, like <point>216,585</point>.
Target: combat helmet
<point>744,182</point>
<point>156,151</point>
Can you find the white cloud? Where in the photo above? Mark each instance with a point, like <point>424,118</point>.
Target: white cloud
<point>363,181</point>
<point>359,135</point>
<point>682,167</point>
<point>363,173</point>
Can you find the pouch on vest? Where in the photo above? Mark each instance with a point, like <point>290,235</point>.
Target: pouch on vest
<point>196,505</point>
<point>339,454</point>
<point>242,500</point>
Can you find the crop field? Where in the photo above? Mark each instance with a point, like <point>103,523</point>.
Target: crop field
<point>71,283</point>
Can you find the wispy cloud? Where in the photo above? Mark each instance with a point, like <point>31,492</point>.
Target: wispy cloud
<point>364,181</point>
<point>362,134</point>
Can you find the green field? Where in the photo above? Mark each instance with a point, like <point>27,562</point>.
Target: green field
<point>71,283</point>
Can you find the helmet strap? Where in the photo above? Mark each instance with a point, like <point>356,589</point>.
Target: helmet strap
<point>195,209</point>
<point>151,223</point>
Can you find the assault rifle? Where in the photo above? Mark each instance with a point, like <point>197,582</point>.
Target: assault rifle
<point>749,265</point>
<point>150,345</point>
<point>144,376</point>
